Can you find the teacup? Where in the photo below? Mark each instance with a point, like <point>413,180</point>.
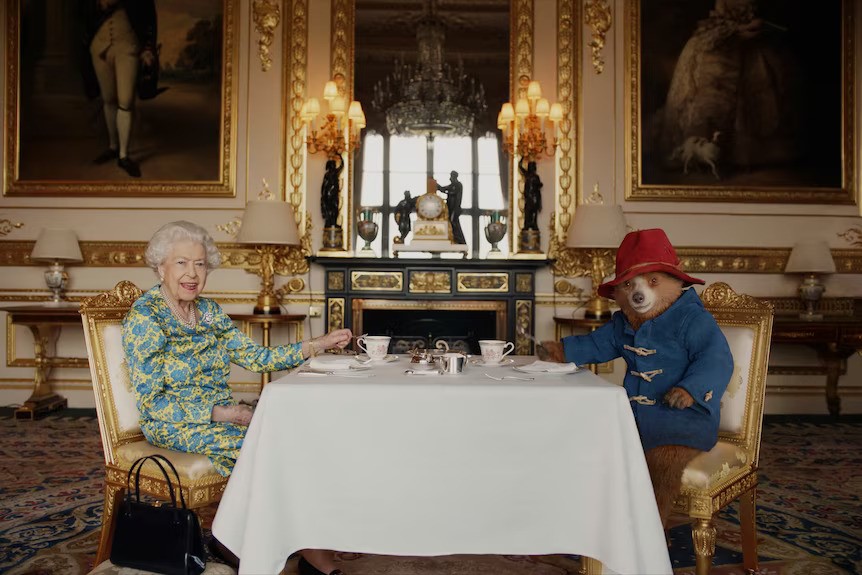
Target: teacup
<point>375,346</point>
<point>494,350</point>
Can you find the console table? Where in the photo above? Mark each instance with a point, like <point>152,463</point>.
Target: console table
<point>835,338</point>
<point>44,320</point>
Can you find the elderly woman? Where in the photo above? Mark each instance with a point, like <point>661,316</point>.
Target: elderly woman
<point>179,347</point>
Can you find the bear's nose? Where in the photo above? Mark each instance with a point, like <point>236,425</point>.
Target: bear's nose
<point>638,297</point>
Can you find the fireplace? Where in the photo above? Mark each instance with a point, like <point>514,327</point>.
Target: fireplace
<point>419,302</point>
<point>422,323</point>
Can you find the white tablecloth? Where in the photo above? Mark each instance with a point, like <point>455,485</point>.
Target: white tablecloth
<point>436,465</point>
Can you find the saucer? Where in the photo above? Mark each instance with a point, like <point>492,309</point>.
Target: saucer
<point>363,358</point>
<point>502,362</point>
<point>544,367</point>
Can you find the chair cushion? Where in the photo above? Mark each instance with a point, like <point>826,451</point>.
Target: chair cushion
<point>713,466</point>
<point>734,400</point>
<point>108,568</point>
<point>190,466</point>
<point>127,412</point>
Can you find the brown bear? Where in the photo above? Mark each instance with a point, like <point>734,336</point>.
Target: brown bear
<point>677,359</point>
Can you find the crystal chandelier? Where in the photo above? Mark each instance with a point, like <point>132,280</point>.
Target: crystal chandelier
<point>432,98</point>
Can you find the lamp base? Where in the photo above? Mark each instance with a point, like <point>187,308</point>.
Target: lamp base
<point>266,310</point>
<point>598,308</point>
<point>267,304</point>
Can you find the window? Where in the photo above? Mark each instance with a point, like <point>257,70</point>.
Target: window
<point>392,165</point>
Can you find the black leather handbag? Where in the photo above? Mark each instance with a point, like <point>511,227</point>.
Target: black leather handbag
<point>165,539</point>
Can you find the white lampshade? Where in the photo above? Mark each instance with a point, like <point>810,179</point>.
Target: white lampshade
<point>597,226</point>
<point>57,244</point>
<point>268,222</point>
<point>810,257</point>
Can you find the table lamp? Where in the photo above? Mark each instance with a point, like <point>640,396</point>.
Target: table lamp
<point>58,246</point>
<point>810,259</point>
<point>269,224</point>
<point>598,229</point>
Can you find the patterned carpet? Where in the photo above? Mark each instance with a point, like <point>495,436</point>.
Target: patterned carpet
<point>809,510</point>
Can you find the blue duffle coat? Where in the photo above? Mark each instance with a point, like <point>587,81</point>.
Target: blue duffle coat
<point>682,347</point>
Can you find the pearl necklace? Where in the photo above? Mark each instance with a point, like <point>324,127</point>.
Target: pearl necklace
<point>189,323</point>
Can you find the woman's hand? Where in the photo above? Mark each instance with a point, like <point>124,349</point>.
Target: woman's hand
<point>336,338</point>
<point>238,414</point>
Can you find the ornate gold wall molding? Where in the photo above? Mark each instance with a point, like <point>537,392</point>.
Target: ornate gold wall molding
<point>430,282</point>
<point>573,262</point>
<point>6,226</point>
<point>568,79</point>
<point>295,42</point>
<point>852,236</point>
<point>597,15</point>
<point>131,254</point>
<point>522,23</point>
<point>266,16</point>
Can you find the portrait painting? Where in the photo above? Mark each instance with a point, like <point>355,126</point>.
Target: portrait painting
<point>741,100</point>
<point>119,98</point>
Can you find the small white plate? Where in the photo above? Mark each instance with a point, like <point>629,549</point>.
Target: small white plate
<point>529,368</point>
<point>362,358</point>
<point>480,361</point>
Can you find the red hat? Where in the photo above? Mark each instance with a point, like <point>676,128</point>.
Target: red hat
<point>642,252</point>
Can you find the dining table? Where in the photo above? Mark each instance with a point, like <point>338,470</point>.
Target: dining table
<point>395,458</point>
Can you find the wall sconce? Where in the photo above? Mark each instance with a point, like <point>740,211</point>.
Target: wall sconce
<point>597,229</point>
<point>271,226</point>
<point>58,246</point>
<point>524,124</point>
<point>810,259</point>
<point>336,135</point>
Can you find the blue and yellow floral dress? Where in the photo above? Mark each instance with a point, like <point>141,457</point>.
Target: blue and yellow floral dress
<point>179,373</point>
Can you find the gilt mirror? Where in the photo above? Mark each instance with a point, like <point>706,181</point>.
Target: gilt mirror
<point>463,52</point>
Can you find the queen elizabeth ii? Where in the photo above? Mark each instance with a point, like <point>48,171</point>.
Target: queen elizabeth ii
<point>179,347</point>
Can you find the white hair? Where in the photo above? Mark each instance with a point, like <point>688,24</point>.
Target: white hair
<point>182,231</point>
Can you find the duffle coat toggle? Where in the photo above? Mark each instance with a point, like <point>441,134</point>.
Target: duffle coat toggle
<point>642,399</point>
<point>647,376</point>
<point>641,351</point>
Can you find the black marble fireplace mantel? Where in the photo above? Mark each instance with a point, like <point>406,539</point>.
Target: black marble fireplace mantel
<point>420,301</point>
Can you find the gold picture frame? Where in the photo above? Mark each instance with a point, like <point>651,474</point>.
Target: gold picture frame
<point>183,129</point>
<point>728,105</point>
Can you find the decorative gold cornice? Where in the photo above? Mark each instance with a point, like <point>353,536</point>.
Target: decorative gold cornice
<point>266,15</point>
<point>571,262</point>
<point>597,15</point>
<point>574,262</point>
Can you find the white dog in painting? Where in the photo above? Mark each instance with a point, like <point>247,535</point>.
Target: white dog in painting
<point>701,150</point>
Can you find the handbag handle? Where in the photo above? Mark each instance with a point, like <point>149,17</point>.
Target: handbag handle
<point>136,469</point>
